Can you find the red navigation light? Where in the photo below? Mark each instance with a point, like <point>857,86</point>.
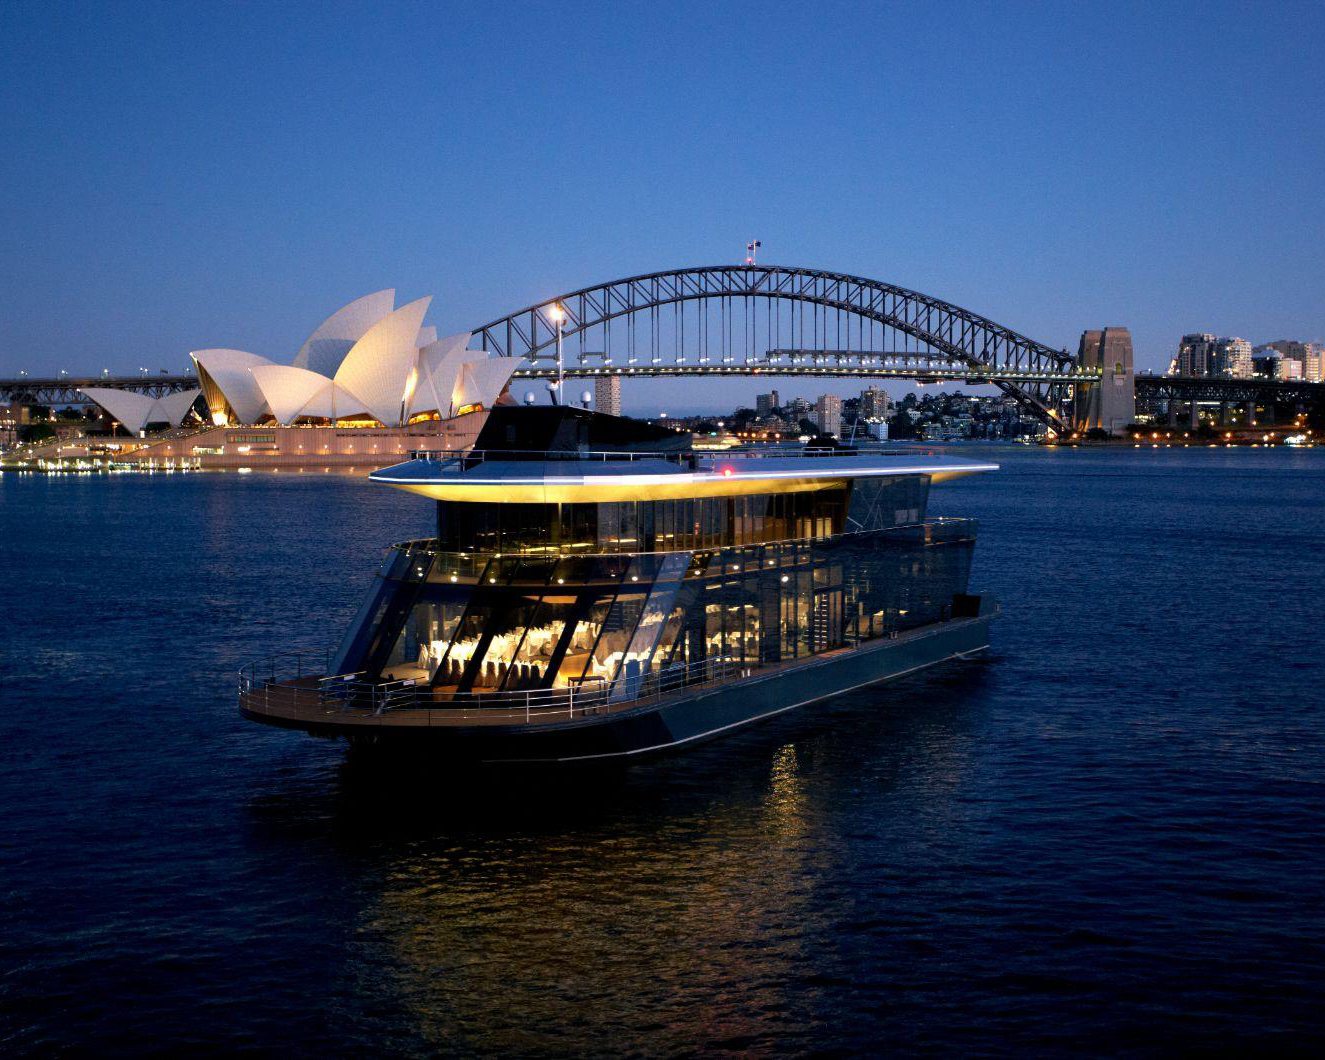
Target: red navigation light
<point>727,471</point>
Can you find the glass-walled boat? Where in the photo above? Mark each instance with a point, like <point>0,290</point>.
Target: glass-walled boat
<point>596,588</point>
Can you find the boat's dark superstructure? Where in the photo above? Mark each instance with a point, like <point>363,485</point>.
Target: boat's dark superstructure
<point>597,588</point>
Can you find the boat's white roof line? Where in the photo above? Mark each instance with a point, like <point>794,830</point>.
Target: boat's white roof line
<point>515,474</point>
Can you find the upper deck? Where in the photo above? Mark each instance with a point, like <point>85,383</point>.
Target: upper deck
<point>561,455</point>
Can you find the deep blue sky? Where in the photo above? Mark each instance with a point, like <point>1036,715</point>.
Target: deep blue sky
<point>189,175</point>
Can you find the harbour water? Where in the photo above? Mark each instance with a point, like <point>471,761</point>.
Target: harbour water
<point>1107,836</point>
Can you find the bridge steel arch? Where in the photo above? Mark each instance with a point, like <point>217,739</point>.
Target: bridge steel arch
<point>944,335</point>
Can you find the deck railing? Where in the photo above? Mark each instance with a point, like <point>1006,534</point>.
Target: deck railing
<point>685,457</point>
<point>286,681</point>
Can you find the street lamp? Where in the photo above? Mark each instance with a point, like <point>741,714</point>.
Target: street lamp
<point>559,316</point>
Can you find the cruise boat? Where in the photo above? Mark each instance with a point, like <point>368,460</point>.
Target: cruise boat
<point>598,589</point>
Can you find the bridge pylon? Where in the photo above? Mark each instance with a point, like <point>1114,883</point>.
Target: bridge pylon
<point>1108,401</point>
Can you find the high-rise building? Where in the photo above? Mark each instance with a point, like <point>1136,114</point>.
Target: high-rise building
<point>1232,358</point>
<point>1309,355</point>
<point>828,414</point>
<point>1195,352</point>
<point>1205,356</point>
<point>12,416</point>
<point>1313,363</point>
<point>1287,348</point>
<point>765,404</point>
<point>1284,359</point>
<point>1265,364</point>
<point>875,404</point>
<point>799,409</point>
<point>607,394</point>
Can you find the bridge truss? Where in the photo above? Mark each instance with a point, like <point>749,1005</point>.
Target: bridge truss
<point>776,320</point>
<point>1212,389</point>
<point>67,390</point>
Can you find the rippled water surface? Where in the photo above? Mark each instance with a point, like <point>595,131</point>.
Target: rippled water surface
<point>1107,836</point>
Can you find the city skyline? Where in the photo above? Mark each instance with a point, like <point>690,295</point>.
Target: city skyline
<point>156,208</point>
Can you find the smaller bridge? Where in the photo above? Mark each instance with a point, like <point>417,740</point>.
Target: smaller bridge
<point>1170,392</point>
<point>1199,388</point>
<point>65,390</point>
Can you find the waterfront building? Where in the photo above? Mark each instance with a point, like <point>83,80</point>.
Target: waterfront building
<point>1194,356</point>
<point>607,395</point>
<point>875,404</point>
<point>1232,358</point>
<point>12,417</point>
<point>1303,358</point>
<point>1282,360</point>
<point>622,593</point>
<point>943,432</point>
<point>307,447</point>
<point>370,384</point>
<point>828,414</point>
<point>799,409</point>
<point>1265,365</point>
<point>767,404</point>
<point>367,364</point>
<point>1313,363</point>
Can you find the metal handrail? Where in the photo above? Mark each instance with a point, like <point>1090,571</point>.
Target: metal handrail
<point>427,546</point>
<point>686,456</point>
<point>349,693</point>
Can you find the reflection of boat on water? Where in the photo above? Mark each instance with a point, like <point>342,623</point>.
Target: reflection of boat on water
<point>597,590</point>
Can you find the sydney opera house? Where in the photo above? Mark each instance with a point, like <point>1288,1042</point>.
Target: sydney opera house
<point>371,383</point>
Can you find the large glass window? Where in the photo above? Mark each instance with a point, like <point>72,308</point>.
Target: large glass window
<point>607,620</point>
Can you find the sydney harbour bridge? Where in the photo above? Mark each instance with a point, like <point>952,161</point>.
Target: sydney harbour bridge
<point>749,320</point>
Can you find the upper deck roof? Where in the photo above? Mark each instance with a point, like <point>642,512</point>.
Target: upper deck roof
<point>588,477</point>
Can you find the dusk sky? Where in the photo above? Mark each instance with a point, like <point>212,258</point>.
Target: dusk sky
<point>184,176</point>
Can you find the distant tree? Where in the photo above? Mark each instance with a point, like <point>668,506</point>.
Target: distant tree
<point>901,427</point>
<point>35,432</point>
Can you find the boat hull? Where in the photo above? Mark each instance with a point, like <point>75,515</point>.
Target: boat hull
<point>663,726</point>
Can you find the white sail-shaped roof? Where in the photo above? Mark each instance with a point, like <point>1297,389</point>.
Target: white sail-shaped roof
<point>332,403</point>
<point>324,350</point>
<point>292,392</point>
<point>482,380</point>
<point>173,407</point>
<point>136,411</point>
<point>381,367</point>
<point>439,374</point>
<point>227,372</point>
<point>427,336</point>
<point>132,410</point>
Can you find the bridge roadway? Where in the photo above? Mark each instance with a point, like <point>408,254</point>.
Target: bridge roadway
<point>1194,388</point>
<point>64,390</point>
